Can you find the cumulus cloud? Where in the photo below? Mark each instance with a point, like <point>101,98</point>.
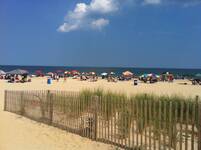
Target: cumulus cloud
<point>103,6</point>
<point>88,15</point>
<point>185,3</point>
<point>94,15</point>
<point>99,23</point>
<point>154,2</point>
<point>66,27</point>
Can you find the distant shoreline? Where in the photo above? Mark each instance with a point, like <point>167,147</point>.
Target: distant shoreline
<point>179,68</point>
<point>117,70</point>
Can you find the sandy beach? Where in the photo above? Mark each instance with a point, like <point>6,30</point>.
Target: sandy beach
<point>19,133</point>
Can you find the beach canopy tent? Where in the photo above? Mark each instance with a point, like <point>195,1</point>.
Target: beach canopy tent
<point>104,74</point>
<point>18,72</point>
<point>2,72</point>
<point>127,74</point>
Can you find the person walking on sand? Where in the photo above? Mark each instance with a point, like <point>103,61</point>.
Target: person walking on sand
<point>57,78</point>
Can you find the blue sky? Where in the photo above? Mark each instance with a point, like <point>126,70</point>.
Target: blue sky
<point>132,33</point>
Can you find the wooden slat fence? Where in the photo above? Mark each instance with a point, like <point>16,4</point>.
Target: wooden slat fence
<point>130,123</point>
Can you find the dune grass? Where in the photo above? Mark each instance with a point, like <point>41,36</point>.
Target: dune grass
<point>158,114</point>
<point>169,116</point>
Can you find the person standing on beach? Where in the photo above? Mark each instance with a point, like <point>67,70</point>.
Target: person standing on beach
<point>57,77</point>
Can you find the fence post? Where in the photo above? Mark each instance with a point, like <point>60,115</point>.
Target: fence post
<point>22,104</point>
<point>199,122</point>
<point>96,117</point>
<point>50,101</point>
<point>5,100</point>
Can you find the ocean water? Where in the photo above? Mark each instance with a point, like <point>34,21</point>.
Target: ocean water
<point>98,70</point>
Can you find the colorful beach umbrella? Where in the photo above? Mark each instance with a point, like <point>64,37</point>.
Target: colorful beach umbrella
<point>39,72</point>
<point>18,72</point>
<point>75,72</point>
<point>127,73</point>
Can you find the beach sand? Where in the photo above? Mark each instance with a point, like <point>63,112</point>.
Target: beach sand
<point>19,133</point>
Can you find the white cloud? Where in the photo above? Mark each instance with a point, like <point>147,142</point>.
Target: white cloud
<point>88,15</point>
<point>185,3</point>
<point>68,27</point>
<point>93,15</point>
<point>79,12</point>
<point>104,6</point>
<point>99,23</point>
<point>154,2</point>
<point>192,3</point>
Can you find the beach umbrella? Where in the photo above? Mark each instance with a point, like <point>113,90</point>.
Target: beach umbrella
<point>18,72</point>
<point>75,72</point>
<point>39,72</point>
<point>153,75</point>
<point>2,72</point>
<point>112,73</point>
<point>127,73</point>
<point>50,73</point>
<point>144,76</point>
<point>104,74</point>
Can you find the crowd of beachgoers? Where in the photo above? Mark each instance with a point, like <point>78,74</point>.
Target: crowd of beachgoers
<point>22,76</point>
